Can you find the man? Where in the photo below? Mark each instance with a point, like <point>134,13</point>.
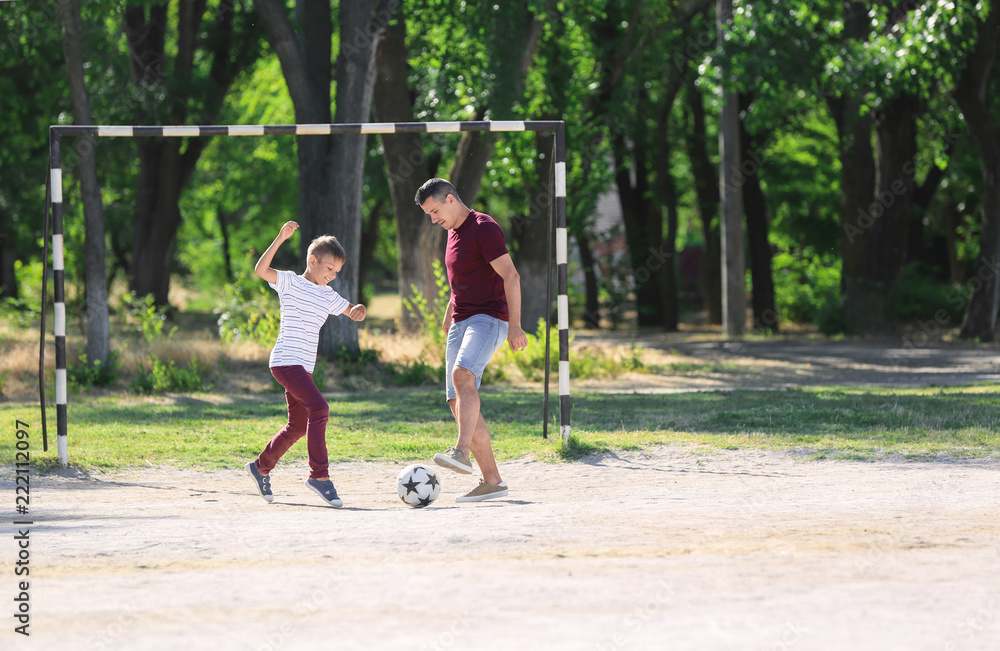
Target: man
<point>485,309</point>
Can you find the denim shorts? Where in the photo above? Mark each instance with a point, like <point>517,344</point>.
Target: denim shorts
<point>471,344</point>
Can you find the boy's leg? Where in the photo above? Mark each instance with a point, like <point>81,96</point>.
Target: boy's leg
<point>303,389</point>
<point>294,429</point>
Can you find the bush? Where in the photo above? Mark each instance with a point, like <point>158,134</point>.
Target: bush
<point>429,312</point>
<point>916,296</point>
<point>169,377</point>
<point>249,315</point>
<point>583,362</point>
<point>367,364</point>
<point>97,374</point>
<point>807,287</point>
<point>147,317</point>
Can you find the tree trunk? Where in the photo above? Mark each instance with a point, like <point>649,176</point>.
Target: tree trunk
<point>331,168</point>
<point>530,235</point>
<point>667,193</point>
<point>166,164</point>
<point>895,183</point>
<point>922,197</point>
<point>361,26</point>
<point>8,277</point>
<point>592,305</point>
<point>98,331</point>
<point>765,316</point>
<point>644,238</point>
<point>971,95</point>
<point>420,241</point>
<point>857,189</point>
<point>706,186</point>
<point>369,239</point>
<point>734,300</point>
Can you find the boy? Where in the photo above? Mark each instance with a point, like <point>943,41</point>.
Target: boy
<point>306,301</point>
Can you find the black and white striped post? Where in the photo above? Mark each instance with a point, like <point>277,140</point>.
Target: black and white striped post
<point>59,298</point>
<point>562,280</point>
<point>124,131</point>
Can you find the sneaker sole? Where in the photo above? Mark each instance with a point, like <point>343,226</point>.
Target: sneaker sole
<point>481,498</point>
<point>336,504</point>
<point>445,461</point>
<point>266,498</point>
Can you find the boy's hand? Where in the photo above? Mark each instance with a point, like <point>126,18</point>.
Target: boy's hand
<point>357,313</point>
<point>287,230</point>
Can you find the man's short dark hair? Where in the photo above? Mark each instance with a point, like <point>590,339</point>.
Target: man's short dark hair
<point>437,188</point>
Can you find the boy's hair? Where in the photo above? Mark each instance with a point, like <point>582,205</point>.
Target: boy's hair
<point>327,245</point>
<point>437,188</point>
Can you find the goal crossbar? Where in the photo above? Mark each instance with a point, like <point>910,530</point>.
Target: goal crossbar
<point>54,213</point>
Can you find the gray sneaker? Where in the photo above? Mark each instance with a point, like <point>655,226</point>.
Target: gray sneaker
<point>484,491</point>
<point>263,482</point>
<point>325,490</point>
<point>454,459</point>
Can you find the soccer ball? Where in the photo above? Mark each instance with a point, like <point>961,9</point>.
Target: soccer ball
<point>418,485</point>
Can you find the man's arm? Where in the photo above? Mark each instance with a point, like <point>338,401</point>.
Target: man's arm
<point>504,266</point>
<point>263,267</point>
<point>448,313</point>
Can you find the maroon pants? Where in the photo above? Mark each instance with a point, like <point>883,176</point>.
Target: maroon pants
<point>307,416</point>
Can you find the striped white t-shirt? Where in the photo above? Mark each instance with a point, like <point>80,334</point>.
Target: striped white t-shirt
<point>304,309</point>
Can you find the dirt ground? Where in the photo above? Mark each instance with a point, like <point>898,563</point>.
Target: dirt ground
<point>670,548</point>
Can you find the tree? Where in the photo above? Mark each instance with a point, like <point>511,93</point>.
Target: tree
<point>330,167</point>
<point>192,92</point>
<point>420,241</point>
<point>971,95</point>
<point>98,344</point>
<point>733,267</point>
<point>32,85</point>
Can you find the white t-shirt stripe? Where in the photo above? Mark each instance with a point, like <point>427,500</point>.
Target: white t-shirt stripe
<point>305,307</point>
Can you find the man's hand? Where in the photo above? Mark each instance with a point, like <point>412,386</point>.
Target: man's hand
<point>357,312</point>
<point>517,339</point>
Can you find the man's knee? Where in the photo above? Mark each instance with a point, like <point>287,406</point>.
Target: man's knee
<point>463,377</point>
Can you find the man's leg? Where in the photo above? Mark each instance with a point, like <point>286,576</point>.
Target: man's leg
<point>465,406</point>
<point>480,444</point>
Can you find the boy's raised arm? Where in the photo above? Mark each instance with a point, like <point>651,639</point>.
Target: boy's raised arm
<point>263,267</point>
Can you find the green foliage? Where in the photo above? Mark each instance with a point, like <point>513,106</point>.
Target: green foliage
<point>584,362</point>
<point>249,315</point>
<point>20,312</point>
<point>805,285</point>
<point>364,368</point>
<point>84,374</point>
<point>168,376</point>
<point>918,297</point>
<point>429,312</point>
<point>148,318</point>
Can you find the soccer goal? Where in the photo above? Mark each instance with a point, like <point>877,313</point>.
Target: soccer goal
<point>54,219</point>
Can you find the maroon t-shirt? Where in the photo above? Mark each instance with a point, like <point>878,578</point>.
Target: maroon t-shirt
<point>476,288</point>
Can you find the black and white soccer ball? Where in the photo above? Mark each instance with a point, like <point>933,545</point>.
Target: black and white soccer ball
<point>418,485</point>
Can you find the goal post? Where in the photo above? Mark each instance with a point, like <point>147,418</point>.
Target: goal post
<point>54,214</point>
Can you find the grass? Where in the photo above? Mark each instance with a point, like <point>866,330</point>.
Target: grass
<point>217,431</point>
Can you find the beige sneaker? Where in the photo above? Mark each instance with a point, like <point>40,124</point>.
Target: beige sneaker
<point>454,459</point>
<point>484,491</point>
